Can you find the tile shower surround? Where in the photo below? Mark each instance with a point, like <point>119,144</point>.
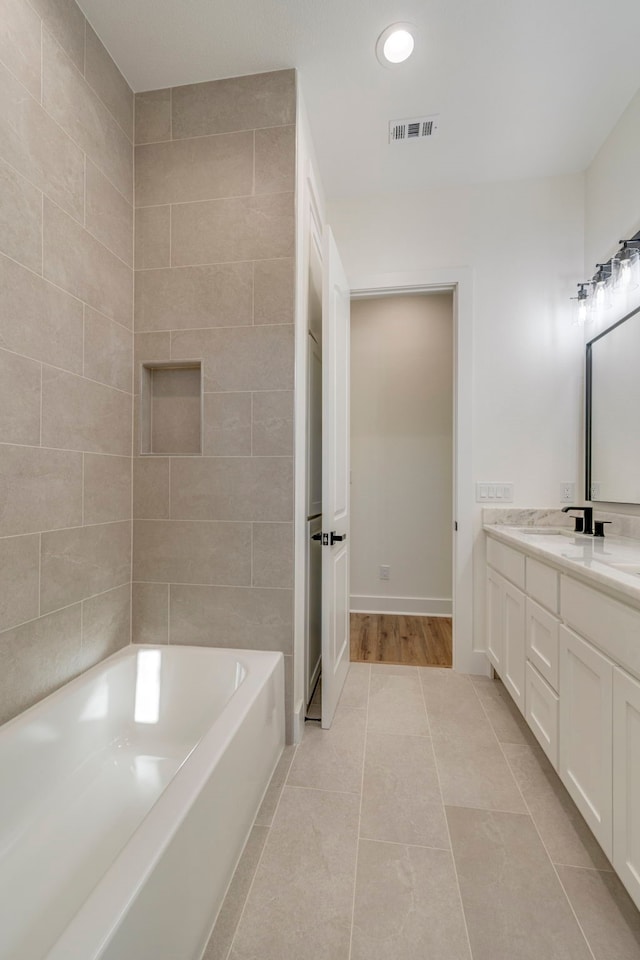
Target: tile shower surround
<point>214,278</point>
<point>213,248</point>
<point>66,350</point>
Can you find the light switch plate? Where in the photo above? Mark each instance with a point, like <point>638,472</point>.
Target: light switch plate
<point>492,491</point>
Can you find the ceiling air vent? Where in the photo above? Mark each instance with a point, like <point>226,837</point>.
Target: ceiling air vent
<point>417,128</point>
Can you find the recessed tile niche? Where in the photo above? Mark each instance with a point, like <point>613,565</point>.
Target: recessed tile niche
<point>171,411</point>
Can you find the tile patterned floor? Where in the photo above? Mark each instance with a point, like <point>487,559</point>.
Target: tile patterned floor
<point>425,825</point>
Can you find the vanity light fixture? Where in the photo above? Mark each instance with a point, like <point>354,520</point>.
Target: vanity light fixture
<point>395,44</point>
<point>611,284</point>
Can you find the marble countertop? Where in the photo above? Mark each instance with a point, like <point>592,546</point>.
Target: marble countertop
<point>610,563</point>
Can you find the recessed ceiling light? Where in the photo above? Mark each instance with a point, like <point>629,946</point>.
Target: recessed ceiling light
<point>395,44</point>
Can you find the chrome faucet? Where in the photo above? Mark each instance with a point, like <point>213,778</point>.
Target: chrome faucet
<point>584,524</point>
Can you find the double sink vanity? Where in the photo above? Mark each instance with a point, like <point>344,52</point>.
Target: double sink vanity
<point>563,633</point>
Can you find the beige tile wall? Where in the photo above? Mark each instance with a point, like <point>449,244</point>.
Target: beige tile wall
<point>214,245</point>
<point>66,318</point>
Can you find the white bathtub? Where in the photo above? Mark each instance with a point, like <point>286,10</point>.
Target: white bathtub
<point>126,798</point>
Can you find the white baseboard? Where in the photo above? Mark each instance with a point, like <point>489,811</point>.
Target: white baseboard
<point>412,606</point>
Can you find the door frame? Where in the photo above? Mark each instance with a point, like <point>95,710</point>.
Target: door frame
<point>458,280</point>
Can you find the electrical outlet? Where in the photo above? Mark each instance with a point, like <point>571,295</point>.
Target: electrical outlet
<point>385,571</point>
<point>567,492</point>
<point>595,490</point>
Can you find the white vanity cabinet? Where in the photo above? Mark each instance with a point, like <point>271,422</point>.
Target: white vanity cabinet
<point>581,663</point>
<point>506,617</point>
<point>586,732</point>
<point>626,781</point>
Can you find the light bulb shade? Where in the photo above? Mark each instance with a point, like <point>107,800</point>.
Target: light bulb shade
<point>600,298</point>
<point>582,312</point>
<point>625,270</point>
<point>395,44</point>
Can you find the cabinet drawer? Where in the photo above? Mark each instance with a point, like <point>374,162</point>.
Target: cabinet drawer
<point>506,561</point>
<point>542,713</point>
<point>542,641</point>
<point>543,584</point>
<point>612,626</point>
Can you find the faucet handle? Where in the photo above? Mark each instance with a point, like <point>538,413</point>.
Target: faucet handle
<point>579,524</point>
<point>598,527</point>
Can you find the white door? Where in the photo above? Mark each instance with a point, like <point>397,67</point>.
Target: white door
<point>586,734</point>
<point>336,305</point>
<point>626,781</point>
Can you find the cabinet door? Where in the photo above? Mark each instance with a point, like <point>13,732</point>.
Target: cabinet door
<point>542,641</point>
<point>494,619</point>
<point>626,781</point>
<point>542,713</point>
<point>586,734</point>
<point>513,638</point>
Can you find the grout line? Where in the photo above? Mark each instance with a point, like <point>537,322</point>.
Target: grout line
<point>253,292</point>
<point>192,266</point>
<point>253,172</point>
<point>355,871</point>
<point>67,606</point>
<point>168,613</point>
<point>251,423</point>
<point>41,63</point>
<point>79,526</point>
<point>39,576</point>
<point>95,453</point>
<point>41,388</point>
<point>453,859</point>
<point>225,198</point>
<point>208,136</point>
<point>80,376</point>
<point>41,234</point>
<point>82,493</point>
<point>406,843</point>
<point>535,827</point>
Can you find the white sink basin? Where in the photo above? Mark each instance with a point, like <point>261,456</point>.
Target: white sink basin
<point>543,531</point>
<point>624,567</point>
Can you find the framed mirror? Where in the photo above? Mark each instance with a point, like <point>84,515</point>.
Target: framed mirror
<point>613,413</point>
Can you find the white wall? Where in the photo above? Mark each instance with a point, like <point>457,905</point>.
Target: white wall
<point>613,189</point>
<point>401,453</point>
<point>524,242</point>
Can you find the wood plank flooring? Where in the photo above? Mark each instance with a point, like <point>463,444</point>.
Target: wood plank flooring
<point>412,641</point>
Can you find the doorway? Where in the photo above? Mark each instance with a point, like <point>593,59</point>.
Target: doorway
<point>402,415</point>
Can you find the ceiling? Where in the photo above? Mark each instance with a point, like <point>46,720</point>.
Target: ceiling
<point>523,89</point>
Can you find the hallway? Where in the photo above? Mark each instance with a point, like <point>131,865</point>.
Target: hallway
<point>414,641</point>
<point>425,825</point>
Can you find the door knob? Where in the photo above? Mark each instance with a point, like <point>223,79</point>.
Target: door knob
<point>337,537</point>
<point>316,536</point>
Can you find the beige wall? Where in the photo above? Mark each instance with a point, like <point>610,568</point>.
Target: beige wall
<point>213,537</point>
<point>401,453</point>
<point>66,190</point>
